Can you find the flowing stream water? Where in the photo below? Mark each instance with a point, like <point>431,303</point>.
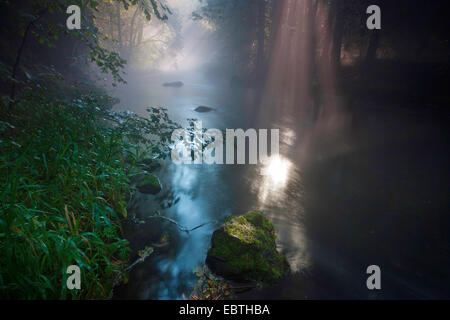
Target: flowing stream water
<point>369,191</point>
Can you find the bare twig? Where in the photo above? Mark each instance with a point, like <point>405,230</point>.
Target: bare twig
<point>143,254</point>
<point>180,227</point>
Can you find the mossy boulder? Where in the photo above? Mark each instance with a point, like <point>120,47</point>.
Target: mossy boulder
<point>149,184</point>
<point>244,249</point>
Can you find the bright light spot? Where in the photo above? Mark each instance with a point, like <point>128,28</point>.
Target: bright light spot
<point>277,170</point>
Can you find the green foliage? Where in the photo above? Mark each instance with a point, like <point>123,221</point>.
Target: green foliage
<point>158,8</point>
<point>65,165</point>
<point>122,22</point>
<point>63,181</point>
<point>46,21</point>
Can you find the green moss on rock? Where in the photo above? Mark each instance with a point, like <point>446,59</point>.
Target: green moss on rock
<point>149,184</point>
<point>244,248</point>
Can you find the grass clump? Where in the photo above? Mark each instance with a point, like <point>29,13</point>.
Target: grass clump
<point>63,181</point>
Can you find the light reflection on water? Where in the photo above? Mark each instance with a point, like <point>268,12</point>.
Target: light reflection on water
<point>212,192</point>
<point>276,173</point>
<point>278,189</point>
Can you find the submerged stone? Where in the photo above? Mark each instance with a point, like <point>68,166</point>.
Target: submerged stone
<point>244,249</point>
<point>203,109</point>
<point>175,84</point>
<point>149,184</point>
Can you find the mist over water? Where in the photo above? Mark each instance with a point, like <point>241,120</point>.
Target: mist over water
<point>347,190</point>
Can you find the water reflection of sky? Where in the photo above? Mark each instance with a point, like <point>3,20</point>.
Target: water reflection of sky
<point>212,192</point>
<point>196,186</point>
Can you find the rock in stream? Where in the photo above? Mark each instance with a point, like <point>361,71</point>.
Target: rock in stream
<point>149,184</point>
<point>244,249</point>
<point>175,84</point>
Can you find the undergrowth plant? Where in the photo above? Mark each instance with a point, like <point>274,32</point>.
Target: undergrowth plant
<point>64,177</point>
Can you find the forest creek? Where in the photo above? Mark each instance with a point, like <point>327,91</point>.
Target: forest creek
<point>87,178</point>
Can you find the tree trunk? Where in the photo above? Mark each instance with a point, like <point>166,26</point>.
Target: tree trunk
<point>19,55</point>
<point>111,25</point>
<point>338,34</point>
<point>371,53</point>
<point>119,25</point>
<point>313,5</point>
<point>132,29</point>
<point>140,33</point>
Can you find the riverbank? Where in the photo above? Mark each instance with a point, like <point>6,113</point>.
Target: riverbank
<point>65,169</point>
